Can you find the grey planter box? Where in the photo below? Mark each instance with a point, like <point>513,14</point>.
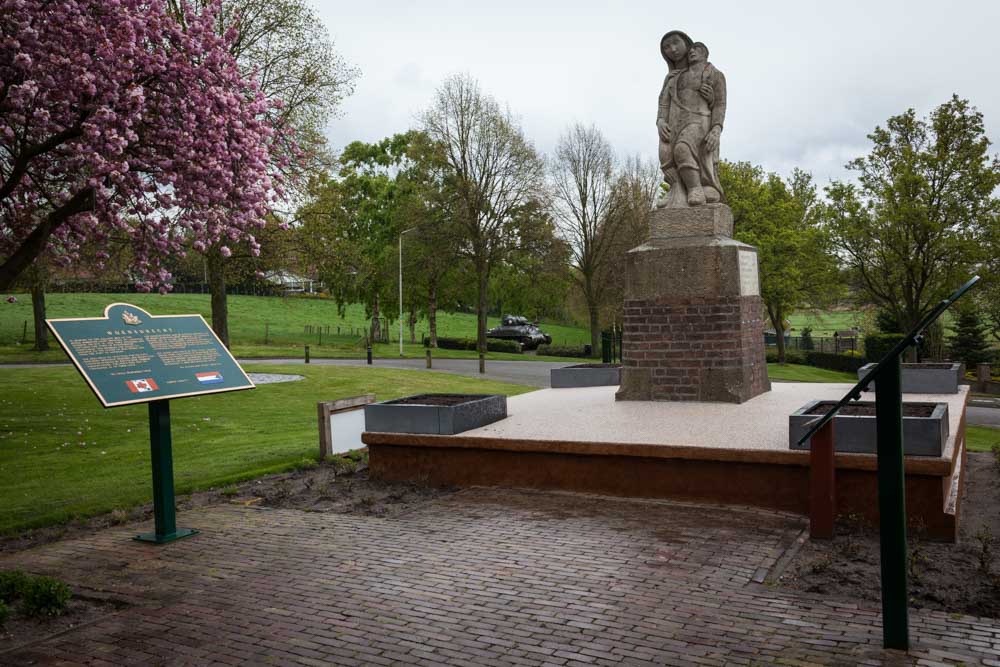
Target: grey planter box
<point>940,378</point>
<point>408,415</point>
<point>922,436</point>
<point>586,375</point>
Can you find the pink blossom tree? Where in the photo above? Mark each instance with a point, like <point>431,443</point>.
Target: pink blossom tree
<point>118,121</point>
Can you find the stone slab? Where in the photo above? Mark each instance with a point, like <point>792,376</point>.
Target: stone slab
<point>591,414</point>
<point>583,376</point>
<point>700,221</point>
<point>686,268</point>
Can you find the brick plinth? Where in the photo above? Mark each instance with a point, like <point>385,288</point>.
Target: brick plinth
<point>694,319</point>
<point>699,349</point>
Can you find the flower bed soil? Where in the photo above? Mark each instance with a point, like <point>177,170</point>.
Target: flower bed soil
<point>909,410</point>
<point>945,577</point>
<point>436,399</point>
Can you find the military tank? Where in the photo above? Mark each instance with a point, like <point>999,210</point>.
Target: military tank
<point>520,329</point>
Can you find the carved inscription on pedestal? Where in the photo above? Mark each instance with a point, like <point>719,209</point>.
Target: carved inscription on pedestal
<point>749,281</point>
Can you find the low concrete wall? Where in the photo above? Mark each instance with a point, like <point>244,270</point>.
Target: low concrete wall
<point>771,480</point>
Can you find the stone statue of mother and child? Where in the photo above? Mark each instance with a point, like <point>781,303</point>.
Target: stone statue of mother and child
<point>691,114</point>
<point>693,328</point>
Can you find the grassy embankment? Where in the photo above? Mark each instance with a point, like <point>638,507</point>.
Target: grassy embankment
<point>63,456</point>
<point>253,321</point>
<point>982,438</point>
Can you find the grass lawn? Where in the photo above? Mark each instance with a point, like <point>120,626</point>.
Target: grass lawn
<point>982,438</point>
<point>11,354</point>
<point>63,456</point>
<point>799,373</point>
<point>251,318</point>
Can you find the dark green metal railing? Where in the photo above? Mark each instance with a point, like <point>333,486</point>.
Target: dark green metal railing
<point>891,475</point>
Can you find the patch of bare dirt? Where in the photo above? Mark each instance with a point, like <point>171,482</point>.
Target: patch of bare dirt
<point>340,486</point>
<point>322,489</point>
<point>958,578</point>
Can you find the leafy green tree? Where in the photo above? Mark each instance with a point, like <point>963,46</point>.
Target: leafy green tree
<point>350,227</point>
<point>969,342</point>
<point>497,174</point>
<point>913,227</point>
<point>431,253</point>
<point>781,220</point>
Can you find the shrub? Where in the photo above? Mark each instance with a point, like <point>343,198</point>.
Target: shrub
<point>835,362</point>
<point>45,596</point>
<point>563,350</point>
<point>12,585</point>
<point>880,344</point>
<point>806,336</point>
<point>493,345</point>
<point>791,356</point>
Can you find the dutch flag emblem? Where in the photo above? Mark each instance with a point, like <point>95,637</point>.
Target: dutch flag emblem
<point>211,377</point>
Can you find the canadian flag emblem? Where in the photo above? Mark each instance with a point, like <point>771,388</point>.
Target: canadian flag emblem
<point>139,386</point>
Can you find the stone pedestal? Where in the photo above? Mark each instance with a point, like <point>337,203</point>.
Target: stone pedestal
<point>694,319</point>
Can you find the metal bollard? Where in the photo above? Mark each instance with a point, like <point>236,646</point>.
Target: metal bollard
<point>369,355</point>
<point>307,354</point>
<point>428,358</point>
<point>482,362</point>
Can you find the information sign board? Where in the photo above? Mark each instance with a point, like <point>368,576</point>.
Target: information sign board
<point>129,356</point>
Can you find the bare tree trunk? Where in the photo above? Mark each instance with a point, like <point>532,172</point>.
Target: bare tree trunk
<point>375,335</point>
<point>217,288</point>
<point>38,275</point>
<point>413,324</point>
<point>779,330</point>
<point>595,327</point>
<point>432,312</point>
<point>484,283</point>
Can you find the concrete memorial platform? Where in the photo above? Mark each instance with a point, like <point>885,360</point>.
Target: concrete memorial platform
<point>584,440</point>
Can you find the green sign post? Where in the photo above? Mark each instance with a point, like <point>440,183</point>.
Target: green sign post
<point>129,356</point>
<point>891,472</point>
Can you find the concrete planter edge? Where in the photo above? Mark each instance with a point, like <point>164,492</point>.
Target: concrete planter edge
<point>855,434</point>
<point>581,376</point>
<point>394,417</point>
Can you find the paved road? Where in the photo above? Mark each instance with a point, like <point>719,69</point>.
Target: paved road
<point>531,373</point>
<point>983,416</point>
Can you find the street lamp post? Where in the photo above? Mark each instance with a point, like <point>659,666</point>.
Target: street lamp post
<point>405,231</point>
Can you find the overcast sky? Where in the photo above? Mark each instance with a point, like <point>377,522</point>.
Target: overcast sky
<point>807,79</point>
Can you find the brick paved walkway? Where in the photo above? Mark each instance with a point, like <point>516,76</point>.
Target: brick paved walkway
<point>481,577</point>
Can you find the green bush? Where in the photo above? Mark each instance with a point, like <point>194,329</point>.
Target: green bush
<point>12,585</point>
<point>45,596</point>
<point>877,345</point>
<point>492,344</point>
<point>4,613</point>
<point>563,350</point>
<point>847,363</point>
<point>791,356</point>
<point>806,339</point>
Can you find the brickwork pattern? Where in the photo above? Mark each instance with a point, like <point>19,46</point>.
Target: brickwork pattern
<point>480,577</point>
<point>697,349</point>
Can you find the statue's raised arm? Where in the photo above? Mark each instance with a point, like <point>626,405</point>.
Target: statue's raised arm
<point>690,118</point>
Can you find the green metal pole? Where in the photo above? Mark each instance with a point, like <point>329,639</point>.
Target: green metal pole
<point>892,506</point>
<point>161,454</point>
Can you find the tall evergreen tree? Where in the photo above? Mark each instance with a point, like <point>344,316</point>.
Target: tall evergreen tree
<point>969,342</point>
